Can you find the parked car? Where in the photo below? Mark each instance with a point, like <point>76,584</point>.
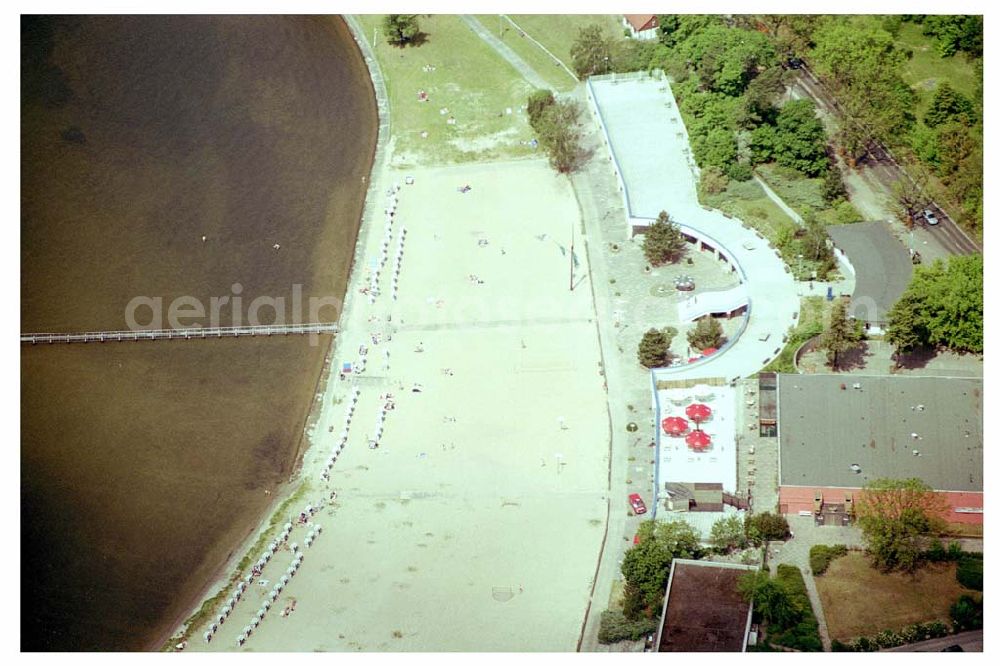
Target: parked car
<point>930,217</point>
<point>638,506</point>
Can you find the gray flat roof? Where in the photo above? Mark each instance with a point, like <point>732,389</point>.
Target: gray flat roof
<point>882,267</point>
<point>823,430</point>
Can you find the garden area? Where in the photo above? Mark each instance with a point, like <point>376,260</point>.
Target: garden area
<point>449,94</point>
<point>860,601</point>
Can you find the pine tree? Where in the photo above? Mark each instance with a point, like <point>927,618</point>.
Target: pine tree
<point>840,336</point>
<point>707,333</point>
<point>663,241</point>
<point>654,349</point>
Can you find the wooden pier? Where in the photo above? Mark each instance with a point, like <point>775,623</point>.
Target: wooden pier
<point>194,333</point>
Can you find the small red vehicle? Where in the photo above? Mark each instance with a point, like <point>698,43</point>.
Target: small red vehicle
<point>638,506</point>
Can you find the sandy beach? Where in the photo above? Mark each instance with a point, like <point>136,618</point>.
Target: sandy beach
<point>484,504</point>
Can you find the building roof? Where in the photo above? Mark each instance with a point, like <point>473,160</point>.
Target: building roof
<point>824,430</point>
<point>881,264</point>
<point>703,610</point>
<point>640,22</point>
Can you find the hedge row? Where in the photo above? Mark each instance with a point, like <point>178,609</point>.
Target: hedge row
<point>820,557</point>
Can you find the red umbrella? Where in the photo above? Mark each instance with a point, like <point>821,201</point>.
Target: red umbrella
<point>698,412</point>
<point>710,350</point>
<point>699,440</point>
<point>674,425</point>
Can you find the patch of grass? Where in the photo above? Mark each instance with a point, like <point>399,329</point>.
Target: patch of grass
<point>860,601</point>
<point>813,312</point>
<point>557,32</point>
<point>747,201</point>
<point>470,79</point>
<point>926,69</point>
<point>547,68</point>
<point>805,195</point>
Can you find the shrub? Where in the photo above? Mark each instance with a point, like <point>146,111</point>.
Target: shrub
<point>888,638</point>
<point>616,627</point>
<point>766,526</point>
<point>820,557</point>
<point>837,646</point>
<point>846,213</point>
<point>739,171</point>
<point>538,102</point>
<point>966,614</point>
<point>970,573</point>
<point>713,181</point>
<point>803,633</point>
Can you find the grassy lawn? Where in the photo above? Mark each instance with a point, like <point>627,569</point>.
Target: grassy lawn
<point>557,77</point>
<point>558,31</point>
<point>469,79</point>
<point>860,601</point>
<point>748,202</point>
<point>804,194</point>
<point>926,68</point>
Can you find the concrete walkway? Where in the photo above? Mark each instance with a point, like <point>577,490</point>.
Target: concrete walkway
<point>796,553</point>
<point>529,74</point>
<point>657,172</point>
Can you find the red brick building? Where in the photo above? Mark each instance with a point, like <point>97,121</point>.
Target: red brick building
<point>837,433</point>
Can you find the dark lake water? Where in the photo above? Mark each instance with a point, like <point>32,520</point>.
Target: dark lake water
<point>144,465</point>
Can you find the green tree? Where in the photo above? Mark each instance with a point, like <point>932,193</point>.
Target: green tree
<point>841,334</point>
<point>800,140</point>
<point>716,148</point>
<point>949,104</point>
<point>834,189</point>
<point>728,534</point>
<point>557,130</point>
<point>401,29</point>
<point>663,241</point>
<point>895,515</point>
<point>770,599</point>
<point>647,564</point>
<point>956,33</point>
<point>858,58</point>
<point>654,349</point>
<point>706,333</point>
<point>591,52</point>
<point>539,102</point>
<point>943,305</point>
<point>765,526</point>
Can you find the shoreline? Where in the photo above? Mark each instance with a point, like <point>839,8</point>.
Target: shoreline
<point>225,573</point>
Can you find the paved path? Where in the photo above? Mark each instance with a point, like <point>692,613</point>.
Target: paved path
<point>970,641</point>
<point>529,74</point>
<point>796,553</point>
<point>542,47</point>
<point>773,196</point>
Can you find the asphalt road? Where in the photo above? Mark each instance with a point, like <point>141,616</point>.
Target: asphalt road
<point>970,641</point>
<point>879,168</point>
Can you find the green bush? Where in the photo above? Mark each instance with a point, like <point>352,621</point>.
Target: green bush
<point>966,614</point>
<point>970,573</point>
<point>804,634</point>
<point>616,627</point>
<point>820,557</point>
<point>740,172</point>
